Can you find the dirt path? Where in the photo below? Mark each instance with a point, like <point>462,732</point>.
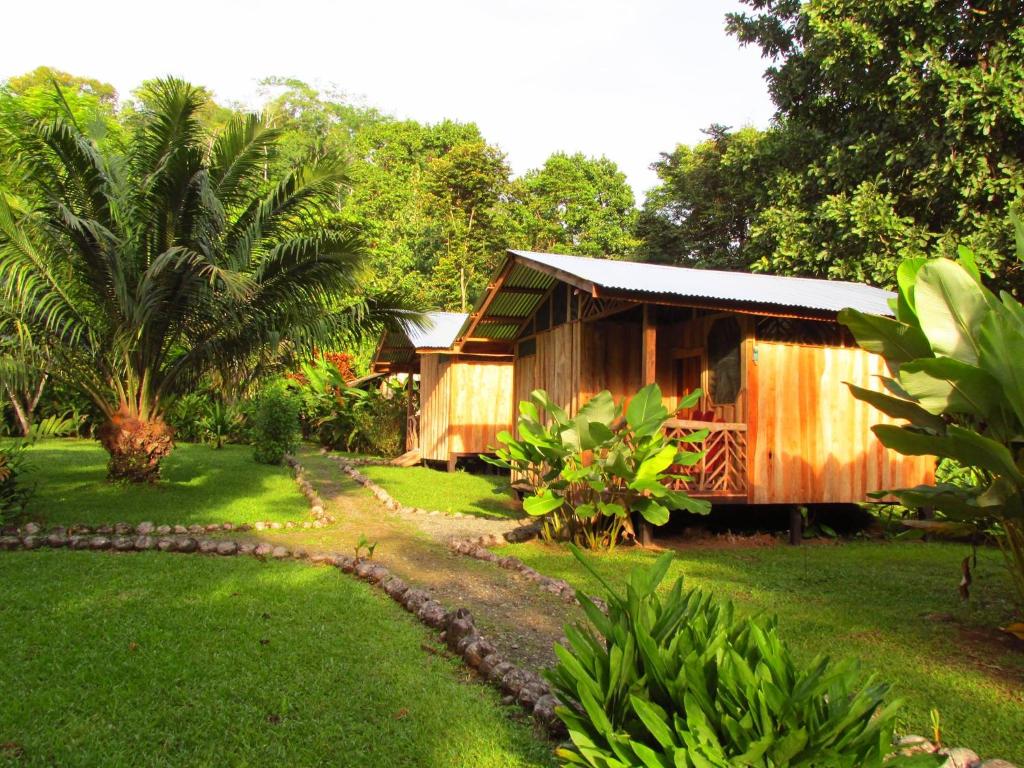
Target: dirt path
<point>521,620</point>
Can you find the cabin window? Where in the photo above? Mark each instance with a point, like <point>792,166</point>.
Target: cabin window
<point>542,320</point>
<point>723,349</point>
<point>527,348</point>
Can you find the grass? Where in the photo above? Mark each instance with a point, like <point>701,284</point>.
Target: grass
<point>152,659</point>
<point>893,606</point>
<point>450,492</point>
<point>199,485</point>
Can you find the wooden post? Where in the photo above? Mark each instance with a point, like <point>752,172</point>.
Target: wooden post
<point>649,346</point>
<point>412,438</point>
<point>796,525</point>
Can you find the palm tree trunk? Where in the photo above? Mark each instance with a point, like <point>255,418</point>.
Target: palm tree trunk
<point>136,446</point>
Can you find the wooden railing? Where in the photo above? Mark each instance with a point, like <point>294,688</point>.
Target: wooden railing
<point>723,469</point>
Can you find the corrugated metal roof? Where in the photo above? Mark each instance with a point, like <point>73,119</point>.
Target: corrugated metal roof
<point>808,293</point>
<point>439,331</point>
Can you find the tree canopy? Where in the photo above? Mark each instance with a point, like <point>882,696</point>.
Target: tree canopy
<point>898,132</point>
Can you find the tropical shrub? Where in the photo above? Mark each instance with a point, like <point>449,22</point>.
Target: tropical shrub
<point>591,472</point>
<point>185,416</point>
<point>676,680</point>
<point>144,265</point>
<point>222,423</point>
<point>14,491</point>
<point>956,353</point>
<point>354,419</point>
<point>275,429</point>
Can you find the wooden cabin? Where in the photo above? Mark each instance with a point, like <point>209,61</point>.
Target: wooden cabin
<point>766,351</point>
<point>465,398</point>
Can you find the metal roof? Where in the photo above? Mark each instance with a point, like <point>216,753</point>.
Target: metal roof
<point>439,331</point>
<point>683,282</point>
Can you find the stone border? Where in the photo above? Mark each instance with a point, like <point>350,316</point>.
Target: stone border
<point>457,628</point>
<point>321,518</point>
<point>477,549</point>
<point>348,467</point>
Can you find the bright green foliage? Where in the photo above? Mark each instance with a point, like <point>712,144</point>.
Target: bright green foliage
<point>675,680</point>
<point>898,132</point>
<point>145,268</point>
<point>576,204</point>
<point>591,472</point>
<point>957,356</point>
<point>275,428</point>
<point>904,123</point>
<point>351,418</point>
<point>701,212</point>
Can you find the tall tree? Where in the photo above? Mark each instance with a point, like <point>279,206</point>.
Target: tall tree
<point>577,204</point>
<point>700,214</point>
<point>466,187</point>
<point>142,271</point>
<point>909,114</point>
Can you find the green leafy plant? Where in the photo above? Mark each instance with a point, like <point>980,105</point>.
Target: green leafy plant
<point>221,423</point>
<point>365,544</point>
<point>275,424</point>
<point>590,472</point>
<point>956,353</point>
<point>144,265</point>
<point>677,680</point>
<point>340,416</point>
<point>185,416</point>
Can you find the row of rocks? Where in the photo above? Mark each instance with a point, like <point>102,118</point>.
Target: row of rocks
<point>316,509</point>
<point>477,549</point>
<point>457,628</point>
<point>956,757</point>
<point>316,503</point>
<point>122,529</point>
<point>348,466</point>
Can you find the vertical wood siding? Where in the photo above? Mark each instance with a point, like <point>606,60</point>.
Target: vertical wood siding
<point>812,438</point>
<point>481,405</point>
<point>435,397</point>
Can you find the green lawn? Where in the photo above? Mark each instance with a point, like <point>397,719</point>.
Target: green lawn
<point>893,606</point>
<point>165,660</point>
<point>199,485</point>
<point>450,492</point>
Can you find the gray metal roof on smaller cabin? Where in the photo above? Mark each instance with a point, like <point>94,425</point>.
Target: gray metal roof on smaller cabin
<point>684,282</point>
<point>439,330</point>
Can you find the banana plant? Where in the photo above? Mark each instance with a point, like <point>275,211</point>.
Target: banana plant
<point>591,472</point>
<point>955,352</point>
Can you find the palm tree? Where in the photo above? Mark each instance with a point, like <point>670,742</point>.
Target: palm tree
<point>142,269</point>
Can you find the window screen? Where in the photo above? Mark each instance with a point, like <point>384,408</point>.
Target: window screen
<point>723,347</point>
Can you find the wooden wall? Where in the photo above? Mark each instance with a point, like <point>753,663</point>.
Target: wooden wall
<point>481,405</point>
<point>435,398</point>
<point>812,439</point>
<point>463,405</point>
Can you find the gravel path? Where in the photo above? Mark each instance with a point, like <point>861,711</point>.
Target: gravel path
<point>523,621</point>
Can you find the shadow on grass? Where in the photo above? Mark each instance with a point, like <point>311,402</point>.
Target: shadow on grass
<point>199,485</point>
<point>168,659</point>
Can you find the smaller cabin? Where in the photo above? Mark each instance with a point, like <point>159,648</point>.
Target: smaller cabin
<point>766,351</point>
<point>465,399</point>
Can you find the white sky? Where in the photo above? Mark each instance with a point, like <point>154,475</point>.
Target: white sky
<point>605,77</point>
